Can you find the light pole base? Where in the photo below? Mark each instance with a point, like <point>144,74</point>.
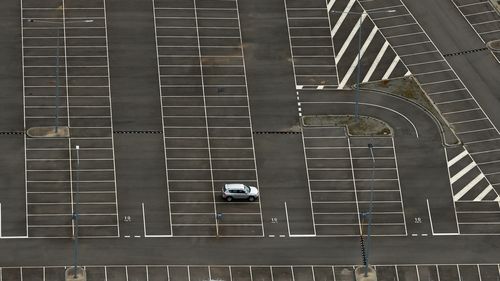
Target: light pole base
<point>359,272</point>
<point>81,275</point>
<point>48,132</point>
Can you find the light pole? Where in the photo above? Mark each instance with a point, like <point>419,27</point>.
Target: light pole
<point>358,75</point>
<point>370,209</point>
<point>75,214</point>
<point>56,122</point>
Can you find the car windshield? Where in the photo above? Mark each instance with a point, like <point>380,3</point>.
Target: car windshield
<point>247,189</point>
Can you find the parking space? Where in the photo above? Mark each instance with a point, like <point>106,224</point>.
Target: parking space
<point>482,17</point>
<point>444,87</point>
<point>311,44</point>
<point>342,176</point>
<point>206,118</point>
<point>444,272</point>
<point>73,37</point>
<point>349,21</point>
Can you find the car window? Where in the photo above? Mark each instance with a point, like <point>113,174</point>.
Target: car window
<point>247,189</point>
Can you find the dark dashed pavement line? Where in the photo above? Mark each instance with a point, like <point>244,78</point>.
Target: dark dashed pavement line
<point>465,52</point>
<point>12,133</point>
<point>277,133</point>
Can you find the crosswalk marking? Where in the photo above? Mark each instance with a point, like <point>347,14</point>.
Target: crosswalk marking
<point>391,68</point>
<point>376,62</point>
<point>457,158</point>
<point>330,5</point>
<point>468,187</point>
<point>349,39</point>
<point>358,57</point>
<point>342,16</point>
<point>484,193</point>
<point>462,172</point>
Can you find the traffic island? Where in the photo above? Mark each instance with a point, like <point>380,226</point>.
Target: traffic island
<point>361,126</point>
<point>48,132</point>
<point>494,46</point>
<point>80,275</point>
<point>371,274</point>
<point>409,89</point>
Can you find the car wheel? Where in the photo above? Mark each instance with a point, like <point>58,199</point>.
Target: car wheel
<point>251,198</point>
<point>229,199</point>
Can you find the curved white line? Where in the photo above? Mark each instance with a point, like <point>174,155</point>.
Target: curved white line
<point>369,104</point>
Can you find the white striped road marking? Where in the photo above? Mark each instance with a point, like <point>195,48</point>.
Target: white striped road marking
<point>349,39</point>
<point>462,172</point>
<point>391,68</point>
<point>342,17</point>
<point>483,193</point>
<point>457,158</point>
<point>376,62</point>
<point>330,5</point>
<point>357,58</point>
<point>468,187</point>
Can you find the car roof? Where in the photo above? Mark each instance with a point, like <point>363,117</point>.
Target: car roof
<point>235,186</point>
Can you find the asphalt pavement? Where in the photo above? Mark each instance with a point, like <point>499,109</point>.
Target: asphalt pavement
<point>169,100</point>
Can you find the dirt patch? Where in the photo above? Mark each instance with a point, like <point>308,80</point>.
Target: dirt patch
<point>363,126</point>
<point>48,132</point>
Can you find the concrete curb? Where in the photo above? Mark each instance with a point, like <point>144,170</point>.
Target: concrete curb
<point>494,46</point>
<point>48,132</point>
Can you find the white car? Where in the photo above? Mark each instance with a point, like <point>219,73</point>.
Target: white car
<point>232,191</point>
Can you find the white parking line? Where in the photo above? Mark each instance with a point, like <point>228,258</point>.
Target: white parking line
<point>397,25</point>
<point>453,101</point>
<point>468,121</point>
<point>475,131</point>
<point>390,17</point>
<point>411,44</point>
<point>425,62</point>
<point>471,4</point>
<point>447,91</point>
<point>484,22</point>
<point>461,111</point>
<point>419,53</point>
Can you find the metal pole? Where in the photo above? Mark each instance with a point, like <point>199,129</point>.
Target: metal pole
<point>75,213</point>
<point>356,104</point>
<point>370,209</point>
<point>57,81</point>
